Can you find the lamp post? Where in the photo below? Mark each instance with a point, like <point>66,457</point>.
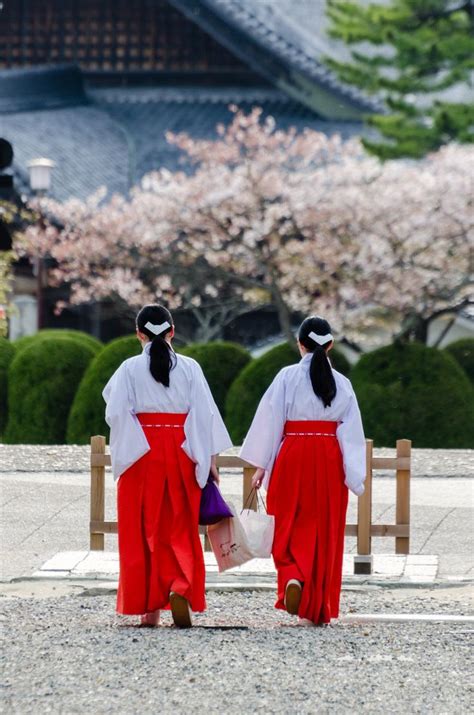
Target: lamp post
<point>40,171</point>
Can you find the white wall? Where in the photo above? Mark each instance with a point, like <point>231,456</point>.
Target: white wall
<point>23,317</point>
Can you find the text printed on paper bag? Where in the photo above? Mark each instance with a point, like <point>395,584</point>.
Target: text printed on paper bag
<point>228,548</point>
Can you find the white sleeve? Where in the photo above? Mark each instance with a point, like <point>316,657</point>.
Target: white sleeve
<point>350,434</point>
<point>264,437</point>
<point>206,433</point>
<point>127,439</point>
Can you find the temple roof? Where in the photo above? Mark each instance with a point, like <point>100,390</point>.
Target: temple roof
<point>111,137</point>
<point>286,42</point>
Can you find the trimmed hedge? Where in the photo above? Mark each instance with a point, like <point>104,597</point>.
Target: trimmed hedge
<point>7,352</point>
<point>42,381</point>
<point>221,362</point>
<point>340,362</point>
<point>27,340</point>
<point>463,352</point>
<point>247,389</point>
<point>415,392</point>
<point>86,417</point>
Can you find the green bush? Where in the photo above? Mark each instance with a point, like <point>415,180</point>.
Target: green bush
<point>340,362</point>
<point>414,392</point>
<point>247,389</point>
<point>42,381</point>
<point>27,340</point>
<point>463,352</point>
<point>221,363</point>
<point>86,417</point>
<point>7,351</point>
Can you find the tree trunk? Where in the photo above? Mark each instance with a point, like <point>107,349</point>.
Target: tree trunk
<point>283,312</point>
<point>420,331</point>
<point>414,328</point>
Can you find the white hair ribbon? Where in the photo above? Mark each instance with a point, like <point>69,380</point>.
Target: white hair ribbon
<point>157,329</point>
<point>320,339</point>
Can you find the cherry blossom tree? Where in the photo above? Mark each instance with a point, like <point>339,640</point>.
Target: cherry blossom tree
<point>414,229</point>
<point>261,215</point>
<point>130,251</point>
<point>254,203</point>
<point>229,233</point>
<point>379,248</point>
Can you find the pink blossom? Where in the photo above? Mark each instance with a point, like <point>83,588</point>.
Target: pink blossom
<point>303,220</point>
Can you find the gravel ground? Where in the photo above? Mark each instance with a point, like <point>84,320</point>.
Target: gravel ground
<point>73,458</point>
<point>73,655</point>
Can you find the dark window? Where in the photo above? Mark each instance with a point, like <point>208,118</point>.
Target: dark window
<point>112,35</point>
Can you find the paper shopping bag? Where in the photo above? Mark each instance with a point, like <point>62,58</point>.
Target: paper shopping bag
<point>259,529</point>
<point>229,542</point>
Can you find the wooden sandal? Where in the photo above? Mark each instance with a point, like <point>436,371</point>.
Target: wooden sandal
<point>293,596</point>
<point>180,610</point>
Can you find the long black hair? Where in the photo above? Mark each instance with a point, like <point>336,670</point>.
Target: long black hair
<point>320,371</point>
<point>162,357</point>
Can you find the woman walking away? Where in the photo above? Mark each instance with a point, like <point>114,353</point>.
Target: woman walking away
<point>165,429</point>
<point>308,444</point>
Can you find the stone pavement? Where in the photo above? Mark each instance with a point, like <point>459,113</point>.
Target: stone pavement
<point>76,458</point>
<point>388,570</point>
<point>44,513</point>
<point>66,651</point>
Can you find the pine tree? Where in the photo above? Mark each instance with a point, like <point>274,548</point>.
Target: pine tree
<point>418,49</point>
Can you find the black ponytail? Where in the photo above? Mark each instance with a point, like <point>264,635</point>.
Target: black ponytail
<point>320,371</point>
<point>162,357</point>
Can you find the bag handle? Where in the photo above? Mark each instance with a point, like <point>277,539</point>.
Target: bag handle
<point>259,499</point>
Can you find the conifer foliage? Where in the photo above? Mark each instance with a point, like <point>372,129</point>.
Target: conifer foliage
<point>409,52</point>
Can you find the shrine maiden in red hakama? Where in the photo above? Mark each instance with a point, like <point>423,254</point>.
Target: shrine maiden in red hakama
<point>161,441</point>
<point>311,454</point>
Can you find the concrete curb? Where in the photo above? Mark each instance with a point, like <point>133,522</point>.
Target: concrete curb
<point>359,618</point>
<point>105,586</point>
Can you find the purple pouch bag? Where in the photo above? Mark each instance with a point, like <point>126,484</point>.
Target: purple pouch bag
<point>213,507</point>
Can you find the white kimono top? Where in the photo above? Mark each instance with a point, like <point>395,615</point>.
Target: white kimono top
<point>132,389</point>
<point>291,397</point>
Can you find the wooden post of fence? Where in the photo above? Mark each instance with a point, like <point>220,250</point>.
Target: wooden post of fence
<point>363,561</point>
<point>402,543</point>
<point>252,503</point>
<point>97,493</point>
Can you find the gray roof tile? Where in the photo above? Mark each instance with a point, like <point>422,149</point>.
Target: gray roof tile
<point>119,135</point>
<point>88,147</point>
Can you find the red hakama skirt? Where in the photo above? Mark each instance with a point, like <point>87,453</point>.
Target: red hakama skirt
<point>158,502</point>
<point>308,498</point>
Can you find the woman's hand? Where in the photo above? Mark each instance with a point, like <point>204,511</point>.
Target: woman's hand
<point>257,478</point>
<point>214,470</point>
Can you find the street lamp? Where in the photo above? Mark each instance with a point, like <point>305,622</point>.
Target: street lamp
<point>40,171</point>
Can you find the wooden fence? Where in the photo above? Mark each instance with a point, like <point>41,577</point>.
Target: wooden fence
<point>364,530</point>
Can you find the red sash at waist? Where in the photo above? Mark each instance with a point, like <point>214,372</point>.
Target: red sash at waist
<point>161,419</point>
<point>317,428</point>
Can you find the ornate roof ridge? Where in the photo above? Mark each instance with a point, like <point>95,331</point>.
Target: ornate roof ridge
<point>186,95</point>
<point>215,15</point>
